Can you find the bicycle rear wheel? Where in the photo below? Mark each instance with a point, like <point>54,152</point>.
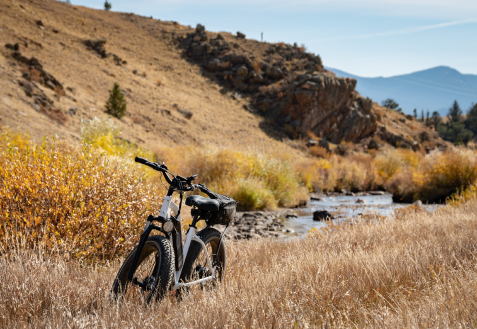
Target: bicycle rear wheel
<point>155,272</point>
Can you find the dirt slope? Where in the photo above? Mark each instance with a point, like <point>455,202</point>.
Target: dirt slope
<point>53,67</point>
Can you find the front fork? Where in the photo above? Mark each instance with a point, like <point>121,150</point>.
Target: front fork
<point>147,230</point>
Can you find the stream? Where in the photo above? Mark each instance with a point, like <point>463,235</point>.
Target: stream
<point>343,207</point>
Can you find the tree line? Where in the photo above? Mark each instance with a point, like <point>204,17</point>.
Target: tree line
<point>457,127</point>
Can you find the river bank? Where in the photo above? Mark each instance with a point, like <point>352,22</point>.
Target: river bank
<point>285,223</point>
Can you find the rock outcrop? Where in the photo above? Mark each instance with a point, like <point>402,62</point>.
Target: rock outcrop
<point>290,86</point>
<point>327,106</point>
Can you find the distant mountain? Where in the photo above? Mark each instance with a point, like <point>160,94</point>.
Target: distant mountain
<point>434,89</point>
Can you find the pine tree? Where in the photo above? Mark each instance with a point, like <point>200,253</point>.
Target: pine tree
<point>471,121</point>
<point>116,104</point>
<point>427,116</point>
<point>455,112</point>
<point>415,113</point>
<point>107,5</point>
<point>422,115</point>
<point>437,119</point>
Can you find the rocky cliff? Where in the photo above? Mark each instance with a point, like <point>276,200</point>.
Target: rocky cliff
<point>288,85</point>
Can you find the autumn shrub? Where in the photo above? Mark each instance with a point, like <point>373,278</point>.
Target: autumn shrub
<point>317,174</point>
<point>90,205</point>
<point>435,177</point>
<point>259,181</point>
<point>105,136</point>
<point>356,173</point>
<point>319,151</point>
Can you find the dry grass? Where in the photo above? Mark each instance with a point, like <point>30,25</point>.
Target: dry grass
<point>68,219</point>
<point>418,270</point>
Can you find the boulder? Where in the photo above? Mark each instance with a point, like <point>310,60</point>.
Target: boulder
<point>213,65</point>
<point>322,215</point>
<point>316,197</point>
<point>366,103</point>
<point>275,73</point>
<point>373,145</point>
<point>324,144</point>
<point>200,28</point>
<point>97,46</point>
<point>242,71</point>
<point>417,203</point>
<point>240,35</point>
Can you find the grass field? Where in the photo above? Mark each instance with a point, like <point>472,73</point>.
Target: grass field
<point>69,216</point>
<point>416,270</point>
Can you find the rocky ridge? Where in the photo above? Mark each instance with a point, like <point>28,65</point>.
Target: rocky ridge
<point>287,84</point>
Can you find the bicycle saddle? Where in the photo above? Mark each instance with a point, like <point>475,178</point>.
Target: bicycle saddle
<point>202,203</point>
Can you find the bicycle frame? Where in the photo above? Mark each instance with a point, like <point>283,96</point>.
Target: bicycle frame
<point>165,214</point>
<point>191,236</point>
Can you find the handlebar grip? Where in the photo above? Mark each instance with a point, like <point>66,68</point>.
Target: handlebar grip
<point>141,160</point>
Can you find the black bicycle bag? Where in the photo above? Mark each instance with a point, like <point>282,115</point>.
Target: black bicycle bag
<point>227,207</point>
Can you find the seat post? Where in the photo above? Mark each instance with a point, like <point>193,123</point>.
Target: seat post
<point>195,220</point>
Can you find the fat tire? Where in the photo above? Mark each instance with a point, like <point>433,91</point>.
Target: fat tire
<point>164,273</point>
<point>207,235</point>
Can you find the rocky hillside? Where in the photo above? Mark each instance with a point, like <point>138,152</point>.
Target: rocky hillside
<point>293,90</point>
<point>183,85</point>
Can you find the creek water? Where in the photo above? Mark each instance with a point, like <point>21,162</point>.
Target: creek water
<point>343,207</point>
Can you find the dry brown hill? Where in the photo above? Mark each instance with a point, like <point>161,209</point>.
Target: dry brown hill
<point>54,73</point>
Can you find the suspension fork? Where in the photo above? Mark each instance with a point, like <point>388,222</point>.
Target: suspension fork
<point>147,230</point>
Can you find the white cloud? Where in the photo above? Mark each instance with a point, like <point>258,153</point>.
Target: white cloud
<point>408,30</point>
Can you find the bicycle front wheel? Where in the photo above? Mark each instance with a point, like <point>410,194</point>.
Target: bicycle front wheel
<point>154,272</point>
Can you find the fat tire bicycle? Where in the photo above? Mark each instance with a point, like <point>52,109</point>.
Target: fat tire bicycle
<point>163,263</point>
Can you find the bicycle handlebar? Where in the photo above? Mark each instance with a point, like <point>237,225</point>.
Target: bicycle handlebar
<point>162,168</point>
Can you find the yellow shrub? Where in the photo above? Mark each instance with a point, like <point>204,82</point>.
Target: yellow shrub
<point>90,205</point>
<point>229,172</point>
<point>104,135</point>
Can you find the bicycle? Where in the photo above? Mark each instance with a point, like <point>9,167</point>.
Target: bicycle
<point>161,263</point>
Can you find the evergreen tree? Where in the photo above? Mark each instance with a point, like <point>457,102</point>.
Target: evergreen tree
<point>471,121</point>
<point>422,115</point>
<point>415,113</point>
<point>427,116</point>
<point>391,104</point>
<point>437,119</point>
<point>107,5</point>
<point>116,104</point>
<point>455,130</point>
<point>455,112</point>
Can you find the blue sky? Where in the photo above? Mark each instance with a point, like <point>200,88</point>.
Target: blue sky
<point>368,38</point>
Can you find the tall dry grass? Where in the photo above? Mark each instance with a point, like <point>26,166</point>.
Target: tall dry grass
<point>416,270</point>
